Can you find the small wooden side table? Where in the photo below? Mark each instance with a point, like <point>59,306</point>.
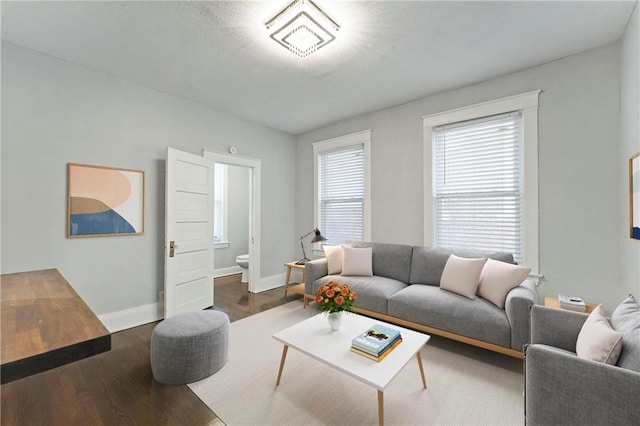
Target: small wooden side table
<point>296,287</point>
<point>553,302</point>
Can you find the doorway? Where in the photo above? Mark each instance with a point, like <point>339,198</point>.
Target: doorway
<point>251,166</point>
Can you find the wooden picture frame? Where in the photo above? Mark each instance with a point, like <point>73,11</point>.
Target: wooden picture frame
<point>634,197</point>
<point>104,201</point>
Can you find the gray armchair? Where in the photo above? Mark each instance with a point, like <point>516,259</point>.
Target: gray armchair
<point>562,389</point>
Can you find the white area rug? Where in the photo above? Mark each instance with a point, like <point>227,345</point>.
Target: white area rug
<point>465,385</point>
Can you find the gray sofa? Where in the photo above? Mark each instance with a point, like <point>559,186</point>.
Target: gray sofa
<point>404,289</point>
<point>561,388</point>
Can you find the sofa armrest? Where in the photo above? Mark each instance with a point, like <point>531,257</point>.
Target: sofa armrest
<point>556,327</point>
<point>313,270</point>
<point>517,307</point>
<point>561,388</point>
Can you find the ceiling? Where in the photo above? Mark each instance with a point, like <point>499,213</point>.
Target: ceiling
<point>388,52</point>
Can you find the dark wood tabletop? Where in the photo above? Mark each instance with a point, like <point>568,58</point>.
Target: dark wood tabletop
<point>45,324</point>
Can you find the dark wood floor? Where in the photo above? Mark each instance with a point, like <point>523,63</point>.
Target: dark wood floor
<point>117,387</point>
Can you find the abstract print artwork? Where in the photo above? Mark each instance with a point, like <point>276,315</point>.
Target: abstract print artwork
<point>634,196</point>
<point>104,201</point>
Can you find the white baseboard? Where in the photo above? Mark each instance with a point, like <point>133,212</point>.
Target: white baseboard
<point>231,270</point>
<point>132,317</point>
<point>139,315</point>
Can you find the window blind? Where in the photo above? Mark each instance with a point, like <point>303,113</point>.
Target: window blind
<point>477,184</point>
<point>341,183</point>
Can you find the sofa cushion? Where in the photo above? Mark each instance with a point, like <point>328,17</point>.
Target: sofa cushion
<point>461,275</point>
<point>389,260</point>
<point>373,292</point>
<point>357,261</point>
<point>597,340</point>
<point>498,278</point>
<point>334,259</point>
<point>434,307</point>
<point>626,319</point>
<point>427,263</point>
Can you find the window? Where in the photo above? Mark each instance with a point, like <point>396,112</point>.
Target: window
<point>482,187</point>
<point>477,186</point>
<point>220,206</point>
<point>341,168</point>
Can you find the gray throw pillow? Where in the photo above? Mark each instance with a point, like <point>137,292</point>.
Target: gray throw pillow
<point>626,319</point>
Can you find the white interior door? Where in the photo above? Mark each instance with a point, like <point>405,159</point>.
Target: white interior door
<point>188,271</point>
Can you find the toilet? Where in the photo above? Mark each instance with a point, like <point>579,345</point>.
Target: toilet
<point>243,262</point>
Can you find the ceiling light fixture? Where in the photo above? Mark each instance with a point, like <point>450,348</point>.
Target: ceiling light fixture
<point>302,27</point>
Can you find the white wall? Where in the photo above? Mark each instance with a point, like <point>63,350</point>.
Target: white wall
<point>55,112</point>
<point>630,144</point>
<point>579,169</point>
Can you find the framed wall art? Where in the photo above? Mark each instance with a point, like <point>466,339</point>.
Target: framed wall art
<point>104,201</point>
<point>634,196</point>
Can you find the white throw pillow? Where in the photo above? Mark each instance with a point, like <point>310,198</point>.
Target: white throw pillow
<point>461,275</point>
<point>498,278</point>
<point>334,259</point>
<point>357,261</point>
<point>597,340</point>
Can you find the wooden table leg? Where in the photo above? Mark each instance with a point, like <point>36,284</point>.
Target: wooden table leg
<point>284,356</point>
<point>424,381</point>
<point>380,408</point>
<point>286,281</point>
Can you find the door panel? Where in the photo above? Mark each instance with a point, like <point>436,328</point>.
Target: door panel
<point>189,224</point>
<point>192,293</point>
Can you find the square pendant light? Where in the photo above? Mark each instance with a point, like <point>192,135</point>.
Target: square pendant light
<point>302,27</point>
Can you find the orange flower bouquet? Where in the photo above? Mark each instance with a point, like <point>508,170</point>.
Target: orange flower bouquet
<point>331,298</point>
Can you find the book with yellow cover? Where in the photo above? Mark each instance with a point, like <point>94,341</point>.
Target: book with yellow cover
<point>379,357</point>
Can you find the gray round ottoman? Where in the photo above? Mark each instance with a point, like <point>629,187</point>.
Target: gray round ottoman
<point>188,347</point>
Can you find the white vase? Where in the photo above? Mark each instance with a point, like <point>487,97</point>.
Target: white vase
<point>335,320</point>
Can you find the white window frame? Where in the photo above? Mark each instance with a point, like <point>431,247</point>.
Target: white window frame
<point>527,103</point>
<point>359,138</point>
<point>224,241</point>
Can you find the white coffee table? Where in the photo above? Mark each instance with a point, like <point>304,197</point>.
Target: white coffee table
<point>314,338</point>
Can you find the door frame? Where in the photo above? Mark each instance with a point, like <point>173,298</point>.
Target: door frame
<point>254,166</point>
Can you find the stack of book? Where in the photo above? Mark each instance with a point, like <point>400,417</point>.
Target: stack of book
<point>572,303</point>
<point>376,342</point>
